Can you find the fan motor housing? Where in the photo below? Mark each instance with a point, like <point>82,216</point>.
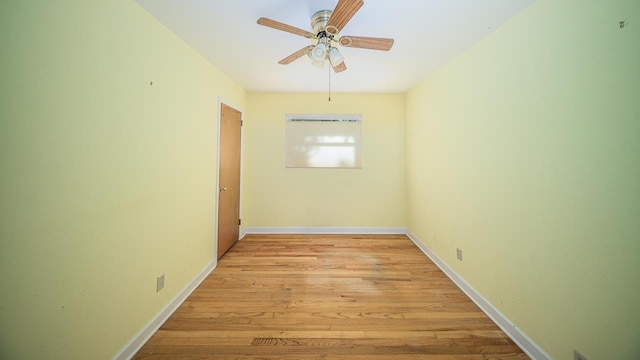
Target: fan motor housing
<point>319,21</point>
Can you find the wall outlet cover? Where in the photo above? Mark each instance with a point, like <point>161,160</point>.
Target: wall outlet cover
<point>459,254</point>
<point>159,282</point>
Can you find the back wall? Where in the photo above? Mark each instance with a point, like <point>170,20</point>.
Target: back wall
<point>279,197</point>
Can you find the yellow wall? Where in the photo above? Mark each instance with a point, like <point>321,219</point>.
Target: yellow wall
<point>106,181</point>
<point>525,153</point>
<point>279,197</point>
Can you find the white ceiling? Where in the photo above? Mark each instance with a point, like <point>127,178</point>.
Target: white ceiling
<point>427,33</point>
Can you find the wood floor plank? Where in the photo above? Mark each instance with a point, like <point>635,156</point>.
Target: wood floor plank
<point>307,297</point>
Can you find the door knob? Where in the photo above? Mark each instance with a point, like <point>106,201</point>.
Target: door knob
<point>223,188</point>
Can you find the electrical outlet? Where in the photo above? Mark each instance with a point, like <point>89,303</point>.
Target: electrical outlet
<point>459,254</point>
<point>578,356</point>
<point>159,282</point>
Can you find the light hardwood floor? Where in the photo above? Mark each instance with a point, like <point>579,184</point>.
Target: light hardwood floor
<point>323,297</point>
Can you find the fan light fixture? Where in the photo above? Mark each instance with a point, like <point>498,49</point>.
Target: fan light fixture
<point>319,52</point>
<point>335,57</point>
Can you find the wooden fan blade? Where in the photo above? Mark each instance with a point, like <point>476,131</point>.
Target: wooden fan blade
<point>296,55</point>
<point>366,42</point>
<point>284,27</point>
<point>344,11</point>
<point>340,68</point>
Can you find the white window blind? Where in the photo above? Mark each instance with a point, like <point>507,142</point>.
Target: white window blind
<point>323,141</point>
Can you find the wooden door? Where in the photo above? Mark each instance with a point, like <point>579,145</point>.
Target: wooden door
<point>229,179</point>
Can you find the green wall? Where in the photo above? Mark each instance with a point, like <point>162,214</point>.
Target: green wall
<point>106,180</point>
<point>524,152</point>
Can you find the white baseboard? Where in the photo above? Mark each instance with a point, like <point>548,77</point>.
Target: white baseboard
<point>521,339</point>
<point>325,230</point>
<point>130,349</point>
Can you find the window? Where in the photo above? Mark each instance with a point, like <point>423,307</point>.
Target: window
<point>323,141</point>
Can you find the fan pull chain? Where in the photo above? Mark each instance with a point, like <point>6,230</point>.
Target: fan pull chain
<point>329,81</point>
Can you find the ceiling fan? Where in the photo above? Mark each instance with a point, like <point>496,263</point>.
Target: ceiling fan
<point>325,35</point>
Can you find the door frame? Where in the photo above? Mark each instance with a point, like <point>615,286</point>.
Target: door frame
<point>222,101</point>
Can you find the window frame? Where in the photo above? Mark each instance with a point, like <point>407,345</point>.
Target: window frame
<point>291,155</point>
